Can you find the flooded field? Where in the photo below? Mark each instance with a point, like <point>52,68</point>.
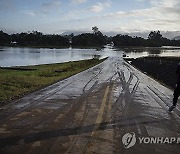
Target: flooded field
<point>34,56</point>
<point>166,51</point>
<point>10,56</point>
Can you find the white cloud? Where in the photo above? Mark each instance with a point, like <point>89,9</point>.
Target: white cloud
<point>164,3</point>
<point>156,12</point>
<point>163,15</point>
<point>29,12</point>
<point>99,7</point>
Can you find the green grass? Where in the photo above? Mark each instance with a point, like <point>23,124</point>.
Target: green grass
<point>16,83</point>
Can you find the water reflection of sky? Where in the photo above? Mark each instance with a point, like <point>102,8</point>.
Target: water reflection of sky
<point>161,52</point>
<point>34,56</point>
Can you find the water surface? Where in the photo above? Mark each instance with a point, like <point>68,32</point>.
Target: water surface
<point>165,51</point>
<point>11,56</point>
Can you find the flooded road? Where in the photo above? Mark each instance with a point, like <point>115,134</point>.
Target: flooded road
<point>91,112</point>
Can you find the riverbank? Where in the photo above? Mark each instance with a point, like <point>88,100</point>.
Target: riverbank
<point>18,81</point>
<point>162,69</point>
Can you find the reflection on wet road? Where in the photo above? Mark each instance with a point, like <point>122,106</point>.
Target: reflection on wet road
<point>90,113</point>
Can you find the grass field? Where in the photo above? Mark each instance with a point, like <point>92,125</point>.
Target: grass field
<point>162,69</point>
<point>16,82</point>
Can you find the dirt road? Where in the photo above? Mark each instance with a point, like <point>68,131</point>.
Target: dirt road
<point>91,112</point>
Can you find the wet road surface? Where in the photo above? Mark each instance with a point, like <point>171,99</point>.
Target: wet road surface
<point>90,113</point>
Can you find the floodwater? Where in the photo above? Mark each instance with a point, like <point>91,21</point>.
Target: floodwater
<point>165,51</point>
<point>14,56</point>
<point>11,56</point>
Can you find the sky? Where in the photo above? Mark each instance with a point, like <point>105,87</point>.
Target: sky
<point>58,16</point>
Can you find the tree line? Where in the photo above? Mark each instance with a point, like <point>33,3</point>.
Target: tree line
<point>95,39</point>
<point>155,39</point>
<point>33,38</point>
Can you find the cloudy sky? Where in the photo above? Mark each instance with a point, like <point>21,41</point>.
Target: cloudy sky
<point>57,16</point>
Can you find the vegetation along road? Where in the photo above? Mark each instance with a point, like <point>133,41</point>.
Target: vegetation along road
<point>91,112</point>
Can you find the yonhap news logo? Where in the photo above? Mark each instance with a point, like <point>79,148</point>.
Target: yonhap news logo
<point>129,140</point>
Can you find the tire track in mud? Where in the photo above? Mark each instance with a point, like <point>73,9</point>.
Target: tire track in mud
<point>100,70</point>
<point>88,108</point>
<point>138,125</point>
<point>96,126</point>
<point>102,121</point>
<point>53,115</point>
<point>80,103</point>
<point>123,110</point>
<point>8,114</point>
<point>125,95</point>
<point>163,100</point>
<point>162,97</point>
<point>75,105</point>
<point>175,116</point>
<point>87,111</point>
<point>68,116</point>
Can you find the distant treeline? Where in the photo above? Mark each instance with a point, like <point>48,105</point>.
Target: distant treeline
<point>32,39</point>
<point>155,39</point>
<point>95,39</point>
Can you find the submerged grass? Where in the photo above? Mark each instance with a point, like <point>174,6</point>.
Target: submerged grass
<point>16,82</point>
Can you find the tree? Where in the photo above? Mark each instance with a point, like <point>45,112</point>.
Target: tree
<point>155,39</point>
<point>89,39</point>
<point>95,29</point>
<point>4,38</point>
<point>156,36</point>
<point>126,40</point>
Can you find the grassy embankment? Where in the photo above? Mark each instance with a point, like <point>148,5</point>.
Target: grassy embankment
<point>162,69</point>
<point>15,82</point>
